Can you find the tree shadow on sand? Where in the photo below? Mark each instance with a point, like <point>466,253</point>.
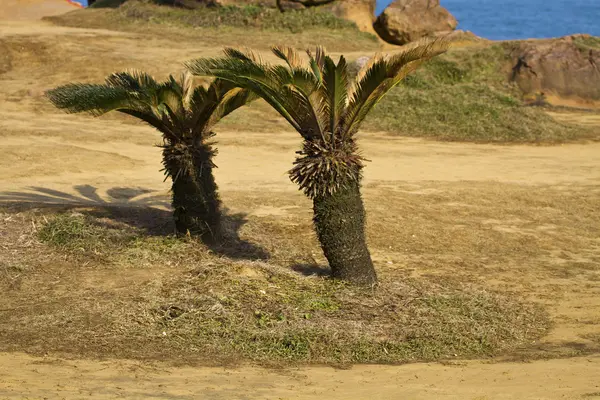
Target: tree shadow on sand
<point>136,207</point>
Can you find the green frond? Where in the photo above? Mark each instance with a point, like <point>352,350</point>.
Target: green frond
<point>362,72</point>
<point>247,55</point>
<point>132,80</point>
<point>94,99</point>
<point>335,90</point>
<point>152,120</point>
<point>382,75</point>
<point>230,69</point>
<point>268,82</point>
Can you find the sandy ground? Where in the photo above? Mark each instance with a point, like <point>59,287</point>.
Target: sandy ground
<point>33,9</point>
<point>51,378</point>
<point>43,148</point>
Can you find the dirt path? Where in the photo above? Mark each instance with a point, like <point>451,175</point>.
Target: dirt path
<point>50,378</point>
<point>33,9</point>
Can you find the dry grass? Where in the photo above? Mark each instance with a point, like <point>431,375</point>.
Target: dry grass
<point>213,307</point>
<point>456,263</point>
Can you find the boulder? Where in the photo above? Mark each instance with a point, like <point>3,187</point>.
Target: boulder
<point>361,12</point>
<point>560,67</point>
<point>405,21</point>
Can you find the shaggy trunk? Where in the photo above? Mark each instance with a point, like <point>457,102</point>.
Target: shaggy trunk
<point>340,224</point>
<point>196,203</point>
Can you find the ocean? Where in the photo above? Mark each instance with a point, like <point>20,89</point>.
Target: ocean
<point>522,19</point>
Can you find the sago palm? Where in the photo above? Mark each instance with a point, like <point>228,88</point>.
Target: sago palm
<point>185,114</point>
<point>326,106</point>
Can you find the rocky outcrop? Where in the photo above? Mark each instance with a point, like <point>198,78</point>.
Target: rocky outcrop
<point>405,21</point>
<point>559,67</point>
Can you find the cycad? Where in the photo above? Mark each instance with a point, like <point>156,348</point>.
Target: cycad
<point>326,106</point>
<point>184,113</point>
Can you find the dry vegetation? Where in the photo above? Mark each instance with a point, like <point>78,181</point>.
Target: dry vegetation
<point>459,265</point>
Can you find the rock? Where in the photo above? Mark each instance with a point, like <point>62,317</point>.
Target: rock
<point>405,21</point>
<point>561,67</point>
<point>459,36</point>
<point>355,66</point>
<point>361,12</point>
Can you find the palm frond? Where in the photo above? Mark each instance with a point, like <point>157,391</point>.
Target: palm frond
<point>231,101</point>
<point>158,123</point>
<point>335,89</point>
<point>246,55</point>
<point>272,83</point>
<point>382,75</point>
<point>132,80</point>
<point>187,87</point>
<point>94,99</point>
<point>289,55</point>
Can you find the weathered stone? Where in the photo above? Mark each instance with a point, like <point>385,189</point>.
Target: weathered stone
<point>561,67</point>
<point>405,21</point>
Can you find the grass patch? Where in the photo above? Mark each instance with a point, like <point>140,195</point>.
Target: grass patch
<point>254,26</point>
<point>278,316</point>
<point>587,43</point>
<point>250,16</point>
<point>464,96</point>
<point>84,235</point>
<point>197,304</point>
<point>467,112</point>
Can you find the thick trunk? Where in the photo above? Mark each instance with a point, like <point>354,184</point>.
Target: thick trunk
<point>196,203</point>
<point>340,224</point>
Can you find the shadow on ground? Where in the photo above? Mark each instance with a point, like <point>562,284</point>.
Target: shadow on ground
<point>312,269</point>
<point>137,207</point>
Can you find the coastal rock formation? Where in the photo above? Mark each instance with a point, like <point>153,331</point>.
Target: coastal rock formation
<point>563,67</point>
<point>405,21</point>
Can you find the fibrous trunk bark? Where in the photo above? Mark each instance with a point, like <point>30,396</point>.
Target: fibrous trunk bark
<point>195,201</point>
<point>339,220</point>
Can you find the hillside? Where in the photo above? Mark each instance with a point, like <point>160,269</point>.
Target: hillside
<point>464,95</point>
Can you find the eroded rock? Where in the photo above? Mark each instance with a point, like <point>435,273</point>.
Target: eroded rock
<point>405,21</point>
<point>562,67</point>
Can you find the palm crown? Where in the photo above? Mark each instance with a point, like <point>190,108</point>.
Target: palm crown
<point>185,114</point>
<point>320,100</point>
<point>179,109</point>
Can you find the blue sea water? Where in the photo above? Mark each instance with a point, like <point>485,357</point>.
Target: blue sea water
<point>522,19</point>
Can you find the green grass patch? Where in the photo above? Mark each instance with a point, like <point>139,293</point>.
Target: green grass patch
<point>465,96</point>
<point>206,306</point>
<point>84,235</point>
<point>466,112</point>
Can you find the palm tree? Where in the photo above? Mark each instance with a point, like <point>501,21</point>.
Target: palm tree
<point>319,99</point>
<point>184,113</point>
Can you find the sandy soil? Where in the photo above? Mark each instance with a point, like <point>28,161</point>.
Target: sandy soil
<point>51,378</point>
<point>33,9</point>
<point>44,148</point>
